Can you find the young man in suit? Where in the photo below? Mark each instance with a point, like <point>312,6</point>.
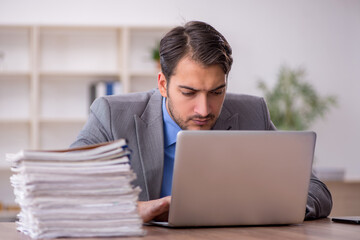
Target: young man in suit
<point>195,62</point>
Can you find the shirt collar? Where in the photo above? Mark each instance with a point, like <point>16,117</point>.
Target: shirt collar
<point>170,127</point>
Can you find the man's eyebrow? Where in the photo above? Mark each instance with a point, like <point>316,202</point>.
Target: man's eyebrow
<point>193,89</point>
<point>189,88</point>
<point>221,86</point>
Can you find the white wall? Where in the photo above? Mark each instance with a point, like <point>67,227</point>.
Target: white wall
<point>323,36</point>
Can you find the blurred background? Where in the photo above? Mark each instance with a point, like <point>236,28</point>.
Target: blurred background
<point>57,56</point>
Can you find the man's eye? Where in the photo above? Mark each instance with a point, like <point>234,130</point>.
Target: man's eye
<point>217,92</point>
<point>188,93</point>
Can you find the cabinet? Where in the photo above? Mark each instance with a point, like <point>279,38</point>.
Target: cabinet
<point>46,73</point>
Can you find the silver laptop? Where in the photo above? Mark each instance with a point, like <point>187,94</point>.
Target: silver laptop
<point>224,178</point>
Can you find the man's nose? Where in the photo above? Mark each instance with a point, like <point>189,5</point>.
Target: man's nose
<point>202,107</point>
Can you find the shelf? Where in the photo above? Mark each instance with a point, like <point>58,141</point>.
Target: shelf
<point>78,50</point>
<point>141,45</point>
<point>14,27</point>
<point>63,120</point>
<point>144,28</point>
<point>22,74</point>
<point>14,49</point>
<point>14,137</point>
<point>46,74</point>
<point>55,135</point>
<point>142,83</point>
<point>149,73</point>
<point>14,120</point>
<point>67,28</point>
<point>15,98</point>
<point>78,74</point>
<point>64,99</point>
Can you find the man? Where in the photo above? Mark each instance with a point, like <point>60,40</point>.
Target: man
<point>195,62</point>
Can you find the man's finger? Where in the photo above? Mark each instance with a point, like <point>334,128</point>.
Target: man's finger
<point>151,209</point>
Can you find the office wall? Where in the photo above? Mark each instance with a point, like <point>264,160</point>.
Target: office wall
<point>323,36</point>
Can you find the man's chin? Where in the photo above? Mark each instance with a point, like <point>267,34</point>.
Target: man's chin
<point>198,127</point>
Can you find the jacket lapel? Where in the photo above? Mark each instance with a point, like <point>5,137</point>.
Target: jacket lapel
<point>226,120</point>
<point>150,139</point>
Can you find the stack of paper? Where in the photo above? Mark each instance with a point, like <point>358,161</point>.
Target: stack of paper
<point>83,192</point>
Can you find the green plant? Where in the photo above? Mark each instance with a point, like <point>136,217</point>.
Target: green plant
<point>293,103</point>
<point>156,53</point>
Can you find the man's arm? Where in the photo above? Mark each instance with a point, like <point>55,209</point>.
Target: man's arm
<point>97,128</point>
<point>319,202</point>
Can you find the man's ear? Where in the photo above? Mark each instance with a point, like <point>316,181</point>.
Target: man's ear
<point>162,84</point>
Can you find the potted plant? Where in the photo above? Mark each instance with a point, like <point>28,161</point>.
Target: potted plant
<point>293,103</point>
<point>156,55</point>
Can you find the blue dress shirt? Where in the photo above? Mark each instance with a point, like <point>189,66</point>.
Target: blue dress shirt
<point>170,132</point>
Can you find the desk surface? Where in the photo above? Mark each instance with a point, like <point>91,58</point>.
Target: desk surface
<point>318,229</point>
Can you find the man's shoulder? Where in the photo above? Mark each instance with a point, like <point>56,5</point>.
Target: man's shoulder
<point>244,104</point>
<point>132,98</point>
<point>233,99</point>
<point>250,111</point>
<point>130,103</point>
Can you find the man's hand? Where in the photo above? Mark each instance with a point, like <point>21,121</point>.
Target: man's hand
<point>155,209</point>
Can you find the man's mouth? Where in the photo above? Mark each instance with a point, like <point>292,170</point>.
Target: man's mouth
<point>201,122</point>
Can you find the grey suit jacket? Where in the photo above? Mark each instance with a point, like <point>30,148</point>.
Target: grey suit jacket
<point>137,117</point>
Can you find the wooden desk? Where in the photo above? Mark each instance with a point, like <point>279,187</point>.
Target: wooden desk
<point>317,230</point>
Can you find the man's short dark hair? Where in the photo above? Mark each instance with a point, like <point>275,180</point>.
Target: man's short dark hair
<point>198,40</point>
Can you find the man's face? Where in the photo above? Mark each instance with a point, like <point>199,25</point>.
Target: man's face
<point>195,94</point>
